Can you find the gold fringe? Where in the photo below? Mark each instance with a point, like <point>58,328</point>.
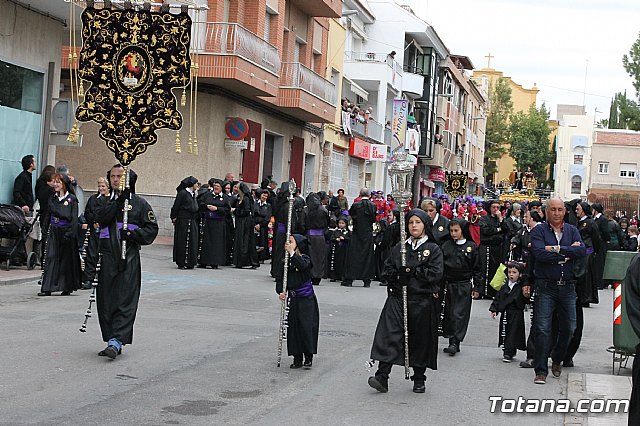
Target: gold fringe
<point>178,148</point>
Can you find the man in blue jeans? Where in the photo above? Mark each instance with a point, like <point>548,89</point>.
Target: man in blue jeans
<point>555,245</point>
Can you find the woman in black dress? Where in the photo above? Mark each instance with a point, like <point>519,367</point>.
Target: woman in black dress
<point>91,232</point>
<point>263,213</point>
<point>62,262</point>
<point>184,215</point>
<point>244,247</point>
<point>214,207</point>
<point>316,221</point>
<point>304,315</point>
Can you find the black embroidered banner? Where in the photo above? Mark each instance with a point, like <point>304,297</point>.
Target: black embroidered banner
<point>133,59</point>
<point>456,184</point>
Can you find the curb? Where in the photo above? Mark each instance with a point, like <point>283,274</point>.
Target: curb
<point>21,280</point>
<point>575,392</point>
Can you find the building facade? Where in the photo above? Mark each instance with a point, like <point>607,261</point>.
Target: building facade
<point>573,157</point>
<point>614,170</point>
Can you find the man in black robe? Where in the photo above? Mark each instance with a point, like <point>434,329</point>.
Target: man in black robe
<point>317,221</point>
<point>120,279</point>
<point>214,208</point>
<point>600,256</point>
<point>244,247</point>
<point>361,257</point>
<point>184,215</point>
<point>492,237</point>
<point>632,302</point>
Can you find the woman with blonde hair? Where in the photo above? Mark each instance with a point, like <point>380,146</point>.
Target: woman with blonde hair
<point>91,232</point>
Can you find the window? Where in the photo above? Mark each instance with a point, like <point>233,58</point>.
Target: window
<point>353,189</point>
<point>628,170</point>
<point>337,167</point>
<point>576,185</point>
<point>603,168</point>
<point>578,159</point>
<point>267,26</point>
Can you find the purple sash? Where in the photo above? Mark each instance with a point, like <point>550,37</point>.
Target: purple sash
<point>213,215</point>
<point>315,232</point>
<point>305,291</point>
<point>282,228</point>
<point>59,223</point>
<point>104,232</point>
<point>589,250</point>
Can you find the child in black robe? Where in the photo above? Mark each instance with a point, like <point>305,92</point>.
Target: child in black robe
<point>304,316</point>
<point>339,238</point>
<point>510,301</point>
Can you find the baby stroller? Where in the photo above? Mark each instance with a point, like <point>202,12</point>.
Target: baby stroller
<point>14,225</point>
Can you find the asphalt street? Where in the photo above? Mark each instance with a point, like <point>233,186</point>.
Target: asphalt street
<point>204,353</point>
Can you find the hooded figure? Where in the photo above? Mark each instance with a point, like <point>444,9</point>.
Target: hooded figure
<point>185,216</point>
<point>440,228</point>
<point>214,210</point>
<point>463,273</point>
<point>361,256</point>
<point>421,275</point>
<point>316,221</point>
<point>119,281</point>
<point>244,247</point>
<point>304,316</point>
<point>338,239</point>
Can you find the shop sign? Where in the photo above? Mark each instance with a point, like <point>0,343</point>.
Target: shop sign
<point>399,125</point>
<point>437,175</point>
<point>230,143</point>
<point>379,152</point>
<point>360,149</point>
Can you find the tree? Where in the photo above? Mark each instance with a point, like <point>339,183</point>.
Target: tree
<point>530,140</point>
<point>624,113</point>
<point>497,131</point>
<point>631,63</point>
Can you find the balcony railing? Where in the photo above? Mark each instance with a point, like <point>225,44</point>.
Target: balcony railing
<point>295,75</point>
<point>373,57</point>
<point>371,129</point>
<point>225,38</point>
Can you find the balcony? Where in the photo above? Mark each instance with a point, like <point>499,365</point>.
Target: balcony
<point>326,8</point>
<point>305,94</point>
<point>235,58</point>
<point>412,83</point>
<point>375,67</point>
<point>371,129</point>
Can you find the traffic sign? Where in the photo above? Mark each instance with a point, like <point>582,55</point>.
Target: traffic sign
<point>236,128</point>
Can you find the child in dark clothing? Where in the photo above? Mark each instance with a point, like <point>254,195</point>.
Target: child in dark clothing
<point>510,301</point>
<point>339,239</point>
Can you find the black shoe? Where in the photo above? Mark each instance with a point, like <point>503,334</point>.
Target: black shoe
<point>65,293</point>
<point>296,365</point>
<point>202,266</point>
<point>568,363</point>
<point>527,364</point>
<point>104,352</point>
<point>214,266</point>
<point>346,284</point>
<point>307,363</point>
<point>367,283</point>
<point>451,349</point>
<point>111,352</point>
<point>86,285</point>
<point>418,386</point>
<point>44,293</point>
<point>383,283</point>
<point>379,383</point>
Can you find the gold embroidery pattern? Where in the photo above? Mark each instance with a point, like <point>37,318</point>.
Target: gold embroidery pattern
<point>133,59</point>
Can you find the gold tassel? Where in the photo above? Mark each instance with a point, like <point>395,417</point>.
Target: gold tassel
<point>195,146</point>
<point>178,148</point>
<point>81,90</point>
<point>70,60</point>
<point>74,134</point>
<point>183,99</point>
<point>190,146</point>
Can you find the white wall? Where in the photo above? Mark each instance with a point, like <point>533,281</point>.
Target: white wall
<point>573,126</point>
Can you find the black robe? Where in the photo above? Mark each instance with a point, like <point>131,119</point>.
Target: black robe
<point>263,215</point>
<point>510,303</point>
<point>600,256</point>
<point>583,271</point>
<point>281,214</point>
<point>231,229</point>
<point>62,270</point>
<point>462,274</point>
<point>337,255</point>
<point>632,303</point>
<point>244,247</point>
<point>304,315</point>
<point>491,250</point>
<point>316,222</point>
<point>119,281</point>
<point>185,239</point>
<point>213,230</point>
<point>361,256</point>
<point>92,236</point>
<point>388,343</point>
<point>440,230</point>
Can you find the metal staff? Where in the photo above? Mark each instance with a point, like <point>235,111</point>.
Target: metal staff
<point>400,173</point>
<point>92,296</point>
<point>284,306</point>
<point>124,184</point>
<point>44,254</point>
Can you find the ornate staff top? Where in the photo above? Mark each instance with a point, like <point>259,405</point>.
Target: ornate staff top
<point>400,172</point>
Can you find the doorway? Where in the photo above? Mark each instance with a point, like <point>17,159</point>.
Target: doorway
<point>309,173</point>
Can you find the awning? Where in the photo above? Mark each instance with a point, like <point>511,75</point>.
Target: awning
<point>357,89</point>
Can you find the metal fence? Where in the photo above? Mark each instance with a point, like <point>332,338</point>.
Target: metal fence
<point>296,75</point>
<point>225,38</point>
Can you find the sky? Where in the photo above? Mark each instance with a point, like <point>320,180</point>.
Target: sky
<point>552,43</point>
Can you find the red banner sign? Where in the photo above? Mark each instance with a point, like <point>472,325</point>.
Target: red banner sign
<point>359,148</point>
<point>436,175</point>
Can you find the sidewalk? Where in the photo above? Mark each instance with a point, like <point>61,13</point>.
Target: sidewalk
<point>21,275</point>
<point>598,386</point>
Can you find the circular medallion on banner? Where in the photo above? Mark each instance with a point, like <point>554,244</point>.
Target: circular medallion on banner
<point>132,67</point>
<point>236,128</point>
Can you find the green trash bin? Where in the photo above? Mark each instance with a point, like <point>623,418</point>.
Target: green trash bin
<point>624,338</point>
